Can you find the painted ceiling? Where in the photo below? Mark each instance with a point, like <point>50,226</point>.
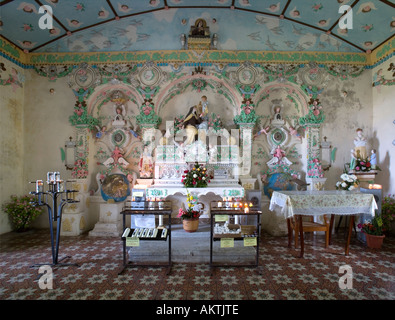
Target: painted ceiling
<point>139,25</point>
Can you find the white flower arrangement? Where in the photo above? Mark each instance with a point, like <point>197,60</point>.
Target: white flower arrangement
<point>349,183</point>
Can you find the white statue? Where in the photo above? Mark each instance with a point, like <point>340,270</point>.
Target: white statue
<point>373,159</point>
<point>146,164</point>
<point>360,145</point>
<point>120,113</point>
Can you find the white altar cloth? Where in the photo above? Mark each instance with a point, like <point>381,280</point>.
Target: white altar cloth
<point>314,202</point>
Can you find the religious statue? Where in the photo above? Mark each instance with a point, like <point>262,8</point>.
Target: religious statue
<point>190,123</point>
<point>373,159</point>
<point>360,145</point>
<point>120,113</point>
<point>199,29</point>
<point>359,151</point>
<point>146,164</point>
<point>277,113</point>
<point>279,158</point>
<point>116,158</point>
<point>263,130</point>
<point>294,132</point>
<point>100,132</point>
<point>202,109</point>
<point>277,119</point>
<point>134,133</point>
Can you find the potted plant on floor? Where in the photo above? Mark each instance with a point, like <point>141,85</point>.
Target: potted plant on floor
<point>190,216</point>
<point>22,211</point>
<point>388,213</point>
<point>374,232</point>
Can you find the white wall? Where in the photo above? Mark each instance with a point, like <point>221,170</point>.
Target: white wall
<point>384,127</point>
<point>11,137</point>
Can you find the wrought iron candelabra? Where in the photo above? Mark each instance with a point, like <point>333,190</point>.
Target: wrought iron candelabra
<point>55,198</point>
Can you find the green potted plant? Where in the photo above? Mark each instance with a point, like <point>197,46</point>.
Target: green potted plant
<point>388,211</point>
<point>374,232</point>
<point>22,211</point>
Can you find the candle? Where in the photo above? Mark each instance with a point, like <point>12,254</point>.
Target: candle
<point>39,186</point>
<point>59,186</point>
<point>220,204</point>
<point>246,210</point>
<point>49,177</point>
<point>250,204</point>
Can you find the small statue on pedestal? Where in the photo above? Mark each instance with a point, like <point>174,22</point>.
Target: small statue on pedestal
<point>146,164</point>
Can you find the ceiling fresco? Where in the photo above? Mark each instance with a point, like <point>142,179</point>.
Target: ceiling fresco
<point>131,25</point>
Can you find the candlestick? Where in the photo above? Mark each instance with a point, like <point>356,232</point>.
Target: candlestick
<point>39,186</point>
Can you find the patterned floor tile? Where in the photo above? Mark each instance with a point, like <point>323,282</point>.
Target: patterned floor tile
<point>281,275</point>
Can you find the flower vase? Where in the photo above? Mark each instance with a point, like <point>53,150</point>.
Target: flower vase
<point>190,225</point>
<point>374,242</point>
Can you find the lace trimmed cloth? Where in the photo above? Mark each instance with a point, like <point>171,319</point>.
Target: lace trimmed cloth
<point>338,202</point>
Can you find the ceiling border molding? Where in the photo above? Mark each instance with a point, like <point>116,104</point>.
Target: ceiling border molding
<point>28,60</point>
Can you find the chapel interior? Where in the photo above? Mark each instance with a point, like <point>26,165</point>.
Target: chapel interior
<point>119,101</point>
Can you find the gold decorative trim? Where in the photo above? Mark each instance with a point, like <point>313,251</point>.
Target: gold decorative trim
<point>16,55</point>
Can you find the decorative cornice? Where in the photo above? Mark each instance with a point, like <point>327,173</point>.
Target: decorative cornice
<point>28,60</point>
<point>382,53</point>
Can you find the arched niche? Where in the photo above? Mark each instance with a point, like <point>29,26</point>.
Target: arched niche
<point>178,96</point>
<point>101,103</point>
<point>293,100</point>
<point>293,103</point>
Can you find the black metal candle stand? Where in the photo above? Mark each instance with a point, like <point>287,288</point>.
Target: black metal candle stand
<point>55,209</point>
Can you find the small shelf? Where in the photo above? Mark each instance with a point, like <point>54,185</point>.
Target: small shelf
<point>246,231</point>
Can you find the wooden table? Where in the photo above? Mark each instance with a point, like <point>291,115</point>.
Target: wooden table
<point>315,203</point>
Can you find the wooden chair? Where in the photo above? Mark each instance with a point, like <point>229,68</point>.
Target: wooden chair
<point>308,226</point>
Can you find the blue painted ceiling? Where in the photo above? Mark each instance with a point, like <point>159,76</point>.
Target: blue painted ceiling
<point>138,25</point>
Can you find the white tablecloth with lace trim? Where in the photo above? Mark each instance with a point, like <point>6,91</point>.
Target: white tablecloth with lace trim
<point>315,202</point>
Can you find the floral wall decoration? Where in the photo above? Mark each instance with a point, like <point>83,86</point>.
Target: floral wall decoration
<point>15,79</point>
<point>247,114</point>
<point>80,169</point>
<point>384,76</point>
<point>147,109</point>
<point>315,114</point>
<point>80,115</point>
<point>53,72</point>
<point>280,72</point>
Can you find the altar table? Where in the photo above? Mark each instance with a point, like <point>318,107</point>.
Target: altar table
<point>315,203</point>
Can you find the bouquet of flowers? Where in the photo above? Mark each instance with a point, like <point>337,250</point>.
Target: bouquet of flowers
<point>374,227</point>
<point>197,177</point>
<point>350,182</point>
<point>22,211</point>
<point>362,165</point>
<point>190,212</point>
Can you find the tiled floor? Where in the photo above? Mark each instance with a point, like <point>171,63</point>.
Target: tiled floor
<point>283,274</point>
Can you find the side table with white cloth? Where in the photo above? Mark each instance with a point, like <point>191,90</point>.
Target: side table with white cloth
<point>316,203</point>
